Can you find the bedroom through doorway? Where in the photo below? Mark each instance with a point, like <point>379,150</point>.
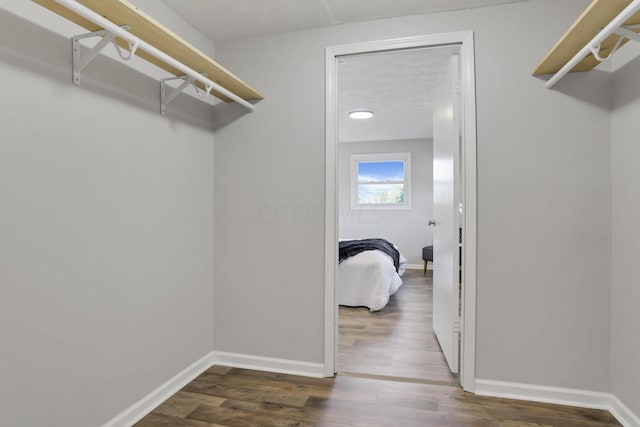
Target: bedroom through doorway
<point>385,192</point>
<point>378,181</point>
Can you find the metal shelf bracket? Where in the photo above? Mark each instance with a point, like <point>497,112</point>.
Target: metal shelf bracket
<point>135,43</point>
<point>164,88</point>
<point>80,62</point>
<point>616,25</point>
<point>623,33</point>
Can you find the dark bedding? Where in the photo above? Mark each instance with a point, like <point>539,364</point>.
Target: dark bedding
<point>349,248</point>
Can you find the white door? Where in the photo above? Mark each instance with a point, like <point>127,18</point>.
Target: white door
<point>446,140</point>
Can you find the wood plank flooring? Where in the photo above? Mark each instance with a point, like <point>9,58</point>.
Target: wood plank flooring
<point>237,397</point>
<point>393,375</point>
<point>396,341</point>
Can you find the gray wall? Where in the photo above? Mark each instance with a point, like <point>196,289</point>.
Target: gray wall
<point>625,300</point>
<point>543,198</point>
<point>406,228</point>
<point>106,255</point>
<point>106,232</point>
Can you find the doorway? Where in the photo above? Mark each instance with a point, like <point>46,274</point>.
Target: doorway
<point>385,191</point>
<point>464,41</point>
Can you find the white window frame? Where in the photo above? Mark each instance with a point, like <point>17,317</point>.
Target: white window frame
<point>381,157</point>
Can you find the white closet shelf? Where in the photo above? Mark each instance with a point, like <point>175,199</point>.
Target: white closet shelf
<point>602,28</point>
<point>158,45</point>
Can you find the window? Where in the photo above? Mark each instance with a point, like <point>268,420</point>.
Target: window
<point>381,181</point>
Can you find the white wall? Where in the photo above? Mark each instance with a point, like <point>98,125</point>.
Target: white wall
<point>407,229</point>
<point>625,300</point>
<point>106,231</point>
<point>543,189</point>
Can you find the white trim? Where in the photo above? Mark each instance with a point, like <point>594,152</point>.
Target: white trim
<point>545,394</point>
<point>465,39</point>
<point>268,364</point>
<point>470,233</point>
<point>559,396</point>
<point>138,410</point>
<point>330,216</point>
<point>623,414</point>
<point>419,266</point>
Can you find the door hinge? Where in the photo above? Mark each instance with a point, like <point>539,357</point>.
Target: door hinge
<point>456,325</point>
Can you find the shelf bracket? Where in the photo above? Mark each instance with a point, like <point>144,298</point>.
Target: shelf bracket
<point>623,33</point>
<point>615,25</point>
<point>136,42</point>
<point>166,98</point>
<point>80,62</point>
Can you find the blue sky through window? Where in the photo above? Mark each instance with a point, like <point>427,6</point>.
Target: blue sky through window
<point>380,171</point>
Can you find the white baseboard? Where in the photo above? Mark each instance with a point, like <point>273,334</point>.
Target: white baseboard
<point>138,410</point>
<point>623,414</point>
<point>559,396</point>
<point>535,393</point>
<point>269,364</point>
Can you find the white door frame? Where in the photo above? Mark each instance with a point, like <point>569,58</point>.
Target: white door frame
<point>469,189</point>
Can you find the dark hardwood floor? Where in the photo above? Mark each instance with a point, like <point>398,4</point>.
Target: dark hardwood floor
<point>396,341</point>
<point>392,374</point>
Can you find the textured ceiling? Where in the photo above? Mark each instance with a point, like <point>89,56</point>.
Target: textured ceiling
<point>397,86</point>
<point>235,19</point>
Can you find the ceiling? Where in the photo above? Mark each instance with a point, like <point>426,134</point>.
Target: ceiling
<point>234,19</point>
<point>397,86</point>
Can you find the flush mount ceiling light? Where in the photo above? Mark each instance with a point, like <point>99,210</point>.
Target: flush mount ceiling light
<point>360,114</point>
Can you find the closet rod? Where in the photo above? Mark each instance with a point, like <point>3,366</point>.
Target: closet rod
<point>135,41</point>
<point>616,23</point>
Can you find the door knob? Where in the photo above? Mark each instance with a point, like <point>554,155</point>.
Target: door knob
<point>432,222</point>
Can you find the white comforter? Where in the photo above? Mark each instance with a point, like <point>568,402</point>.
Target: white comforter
<point>369,279</point>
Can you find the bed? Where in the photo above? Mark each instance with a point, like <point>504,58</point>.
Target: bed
<point>369,278</point>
